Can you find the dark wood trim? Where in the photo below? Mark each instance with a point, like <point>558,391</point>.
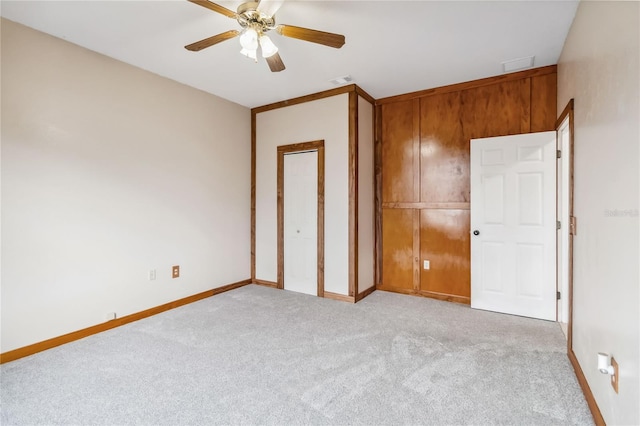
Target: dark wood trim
<point>586,390</point>
<point>571,216</point>
<point>365,293</point>
<point>365,95</point>
<point>320,230</point>
<point>253,196</point>
<point>377,167</point>
<point>360,296</point>
<point>446,297</point>
<point>565,112</point>
<point>568,112</point>
<point>265,283</point>
<point>340,297</point>
<point>439,206</point>
<point>298,147</point>
<point>280,225</point>
<point>428,294</point>
<point>351,88</point>
<point>303,146</point>
<point>302,99</point>
<point>470,84</point>
<point>353,193</point>
<point>85,332</point>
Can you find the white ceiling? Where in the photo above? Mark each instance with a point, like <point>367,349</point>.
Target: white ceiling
<point>392,47</point>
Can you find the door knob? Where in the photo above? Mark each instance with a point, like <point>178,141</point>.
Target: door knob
<point>476,232</point>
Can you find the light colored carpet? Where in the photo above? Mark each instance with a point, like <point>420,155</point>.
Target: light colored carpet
<point>257,355</point>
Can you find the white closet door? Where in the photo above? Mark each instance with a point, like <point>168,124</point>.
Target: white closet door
<point>300,222</point>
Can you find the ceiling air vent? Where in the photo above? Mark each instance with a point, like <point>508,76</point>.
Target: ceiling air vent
<point>341,80</point>
<point>518,64</point>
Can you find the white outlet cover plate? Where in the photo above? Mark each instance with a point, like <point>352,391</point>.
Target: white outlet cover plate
<point>426,264</point>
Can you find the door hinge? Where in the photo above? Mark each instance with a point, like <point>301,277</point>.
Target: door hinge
<point>572,225</point>
<point>558,295</point>
<point>558,154</point>
<point>558,225</point>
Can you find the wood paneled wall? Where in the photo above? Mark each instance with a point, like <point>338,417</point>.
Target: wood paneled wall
<point>425,186</point>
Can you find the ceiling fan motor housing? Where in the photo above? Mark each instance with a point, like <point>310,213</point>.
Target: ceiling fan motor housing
<point>250,17</point>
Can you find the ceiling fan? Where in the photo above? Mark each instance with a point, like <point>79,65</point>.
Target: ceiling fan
<point>256,21</point>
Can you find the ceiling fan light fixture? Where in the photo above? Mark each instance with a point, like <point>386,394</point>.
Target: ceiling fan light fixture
<point>251,54</point>
<point>249,39</point>
<point>268,48</point>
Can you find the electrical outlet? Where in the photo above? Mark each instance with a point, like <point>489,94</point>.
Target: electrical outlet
<point>110,316</point>
<point>615,378</point>
<point>426,264</point>
<point>152,274</point>
<point>175,271</point>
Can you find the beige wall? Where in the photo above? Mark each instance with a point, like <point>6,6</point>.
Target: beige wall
<point>366,208</point>
<point>599,69</point>
<point>325,119</point>
<point>109,171</point>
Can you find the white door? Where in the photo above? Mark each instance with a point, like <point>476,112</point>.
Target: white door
<point>513,225</point>
<point>301,222</point>
<point>563,214</point>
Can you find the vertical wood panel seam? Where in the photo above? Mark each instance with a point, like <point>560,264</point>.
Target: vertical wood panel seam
<point>417,174</point>
<point>416,150</point>
<point>530,103</point>
<point>416,249</point>
<point>377,160</point>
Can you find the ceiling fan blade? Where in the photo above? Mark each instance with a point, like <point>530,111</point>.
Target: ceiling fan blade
<point>210,41</point>
<point>275,62</point>
<point>269,7</point>
<point>215,7</point>
<point>314,36</point>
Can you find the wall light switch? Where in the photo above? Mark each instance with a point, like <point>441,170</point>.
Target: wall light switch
<point>175,271</point>
<point>152,274</point>
<point>426,264</point>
